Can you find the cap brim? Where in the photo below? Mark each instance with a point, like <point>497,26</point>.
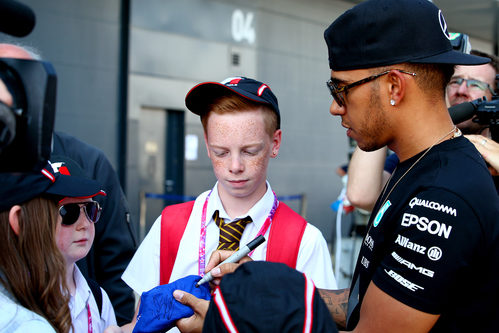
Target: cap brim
<point>75,187</point>
<point>203,94</point>
<point>452,57</point>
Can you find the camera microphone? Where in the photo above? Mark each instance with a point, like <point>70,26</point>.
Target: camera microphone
<point>461,112</point>
<point>16,19</point>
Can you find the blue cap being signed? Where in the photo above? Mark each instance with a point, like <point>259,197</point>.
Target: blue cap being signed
<point>159,311</point>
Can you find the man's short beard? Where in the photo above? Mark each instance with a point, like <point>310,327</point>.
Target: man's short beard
<point>378,122</point>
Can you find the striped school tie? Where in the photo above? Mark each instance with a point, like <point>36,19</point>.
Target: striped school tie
<point>230,233</point>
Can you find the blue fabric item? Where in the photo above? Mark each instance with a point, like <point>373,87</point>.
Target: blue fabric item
<point>391,163</point>
<point>159,311</point>
<point>335,205</point>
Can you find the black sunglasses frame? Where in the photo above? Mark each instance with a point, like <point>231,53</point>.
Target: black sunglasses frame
<point>340,93</point>
<point>69,216</point>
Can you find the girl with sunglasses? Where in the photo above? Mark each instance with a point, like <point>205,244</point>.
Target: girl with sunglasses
<point>34,295</point>
<point>75,234</point>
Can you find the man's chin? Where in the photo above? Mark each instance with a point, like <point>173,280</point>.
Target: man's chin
<point>459,101</point>
<point>367,147</point>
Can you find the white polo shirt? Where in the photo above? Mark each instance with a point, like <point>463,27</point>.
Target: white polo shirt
<point>142,273</point>
<point>78,306</point>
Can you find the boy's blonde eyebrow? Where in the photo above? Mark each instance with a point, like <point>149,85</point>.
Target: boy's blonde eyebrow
<point>245,146</point>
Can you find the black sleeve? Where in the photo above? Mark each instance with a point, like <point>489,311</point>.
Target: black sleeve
<point>436,238</point>
<point>114,243</point>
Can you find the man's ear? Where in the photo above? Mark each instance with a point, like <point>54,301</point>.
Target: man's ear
<point>397,86</point>
<point>14,214</point>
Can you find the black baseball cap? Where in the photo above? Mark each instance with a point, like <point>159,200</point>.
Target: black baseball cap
<point>62,180</point>
<point>379,33</point>
<point>262,296</point>
<point>202,95</point>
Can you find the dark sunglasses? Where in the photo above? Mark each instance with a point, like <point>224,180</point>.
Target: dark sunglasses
<point>71,212</point>
<point>339,93</point>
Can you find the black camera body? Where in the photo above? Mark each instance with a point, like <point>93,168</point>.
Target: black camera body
<point>487,112</point>
<point>26,127</point>
<point>484,112</point>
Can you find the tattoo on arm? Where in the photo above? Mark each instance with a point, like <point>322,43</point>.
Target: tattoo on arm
<point>337,303</point>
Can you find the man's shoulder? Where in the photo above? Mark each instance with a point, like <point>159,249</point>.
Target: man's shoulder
<point>80,151</point>
<point>92,160</point>
<point>462,170</point>
<point>459,155</point>
<point>67,139</point>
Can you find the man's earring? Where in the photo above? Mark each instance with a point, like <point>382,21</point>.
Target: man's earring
<point>392,102</point>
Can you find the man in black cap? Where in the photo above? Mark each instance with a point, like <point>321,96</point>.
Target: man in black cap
<point>430,258</point>
<point>433,230</point>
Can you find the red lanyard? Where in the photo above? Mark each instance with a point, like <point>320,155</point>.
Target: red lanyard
<point>89,315</point>
<point>202,237</point>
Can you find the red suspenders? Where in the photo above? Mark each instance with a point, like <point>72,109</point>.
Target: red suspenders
<point>283,244</point>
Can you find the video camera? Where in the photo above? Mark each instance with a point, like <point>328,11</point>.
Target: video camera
<point>484,112</point>
<point>26,126</point>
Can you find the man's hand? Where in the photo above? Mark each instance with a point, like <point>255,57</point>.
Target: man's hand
<point>489,149</point>
<point>218,272</point>
<point>200,306</point>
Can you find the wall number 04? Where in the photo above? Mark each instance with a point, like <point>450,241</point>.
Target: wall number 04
<point>242,26</point>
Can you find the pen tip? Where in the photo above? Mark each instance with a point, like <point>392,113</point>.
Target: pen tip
<point>197,285</point>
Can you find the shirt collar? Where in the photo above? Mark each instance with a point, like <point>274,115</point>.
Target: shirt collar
<point>82,295</point>
<point>258,212</point>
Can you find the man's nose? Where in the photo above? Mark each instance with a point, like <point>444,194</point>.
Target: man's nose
<point>335,109</point>
<point>463,88</point>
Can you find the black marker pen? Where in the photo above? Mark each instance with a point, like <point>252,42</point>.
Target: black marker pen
<point>236,256</point>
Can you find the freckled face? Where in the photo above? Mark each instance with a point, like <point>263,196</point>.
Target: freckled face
<point>74,241</point>
<point>240,149</point>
